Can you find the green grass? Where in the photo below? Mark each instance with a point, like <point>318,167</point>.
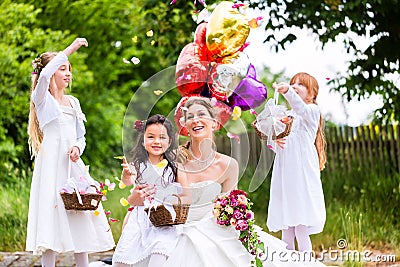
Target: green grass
<point>14,200</point>
<point>361,208</point>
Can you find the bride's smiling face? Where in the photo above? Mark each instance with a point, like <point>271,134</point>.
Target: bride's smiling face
<point>199,121</point>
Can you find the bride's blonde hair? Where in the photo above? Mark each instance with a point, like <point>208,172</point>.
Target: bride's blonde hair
<point>34,132</point>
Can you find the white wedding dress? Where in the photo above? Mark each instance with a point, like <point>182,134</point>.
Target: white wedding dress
<point>202,242</point>
<point>50,225</point>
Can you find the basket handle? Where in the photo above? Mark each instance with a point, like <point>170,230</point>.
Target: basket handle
<point>69,167</point>
<point>97,189</point>
<point>175,195</point>
<point>276,97</point>
<point>72,182</point>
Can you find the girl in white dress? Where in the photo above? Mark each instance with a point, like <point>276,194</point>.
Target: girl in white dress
<point>156,176</point>
<point>296,203</point>
<point>56,136</point>
<point>201,241</point>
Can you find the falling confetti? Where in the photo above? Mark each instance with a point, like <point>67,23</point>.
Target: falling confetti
<point>238,5</point>
<point>123,202</point>
<point>96,213</point>
<point>149,33</point>
<point>152,42</point>
<point>162,163</point>
<point>201,2</point>
<point>134,39</point>
<point>113,220</point>
<point>236,113</point>
<point>111,187</point>
<point>118,157</point>
<point>157,92</point>
<point>231,135</point>
<point>252,111</point>
<point>243,47</point>
<point>126,61</point>
<point>253,23</point>
<point>135,60</point>
<point>121,185</point>
<point>172,2</point>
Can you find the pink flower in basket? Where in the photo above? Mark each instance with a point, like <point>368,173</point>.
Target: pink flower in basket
<point>234,209</point>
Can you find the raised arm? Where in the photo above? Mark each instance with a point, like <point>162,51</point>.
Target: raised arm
<point>39,94</point>
<point>75,45</point>
<point>42,86</point>
<point>307,111</point>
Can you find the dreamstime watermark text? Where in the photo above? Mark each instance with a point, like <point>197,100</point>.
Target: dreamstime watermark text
<point>341,254</point>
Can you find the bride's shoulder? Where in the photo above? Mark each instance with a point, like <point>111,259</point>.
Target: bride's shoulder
<point>227,161</point>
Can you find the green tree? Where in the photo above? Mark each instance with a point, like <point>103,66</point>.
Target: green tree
<point>102,81</point>
<point>19,39</point>
<point>376,20</point>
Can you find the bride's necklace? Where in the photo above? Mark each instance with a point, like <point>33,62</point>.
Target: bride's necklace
<point>202,164</point>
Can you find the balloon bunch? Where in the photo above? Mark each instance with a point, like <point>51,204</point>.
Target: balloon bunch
<point>214,64</point>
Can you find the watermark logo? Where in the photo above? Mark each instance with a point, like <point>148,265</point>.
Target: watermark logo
<point>344,254</point>
<point>339,255</point>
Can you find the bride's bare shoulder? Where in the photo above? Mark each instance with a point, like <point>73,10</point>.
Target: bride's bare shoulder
<point>227,160</point>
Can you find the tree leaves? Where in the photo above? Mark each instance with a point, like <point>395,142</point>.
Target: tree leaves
<point>377,20</point>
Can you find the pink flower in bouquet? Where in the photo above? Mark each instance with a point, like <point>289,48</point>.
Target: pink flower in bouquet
<point>223,202</point>
<point>233,202</point>
<point>242,199</point>
<point>234,209</point>
<point>242,225</point>
<point>249,215</point>
<point>237,214</point>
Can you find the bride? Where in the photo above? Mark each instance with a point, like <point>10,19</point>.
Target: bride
<point>201,241</point>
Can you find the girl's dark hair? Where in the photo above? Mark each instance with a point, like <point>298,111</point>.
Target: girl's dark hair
<point>140,155</point>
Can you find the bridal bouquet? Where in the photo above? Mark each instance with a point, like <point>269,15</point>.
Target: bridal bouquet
<point>234,209</point>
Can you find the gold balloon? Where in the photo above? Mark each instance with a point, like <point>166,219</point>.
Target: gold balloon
<point>227,30</point>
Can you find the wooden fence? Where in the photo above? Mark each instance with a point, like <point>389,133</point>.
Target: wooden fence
<point>348,148</point>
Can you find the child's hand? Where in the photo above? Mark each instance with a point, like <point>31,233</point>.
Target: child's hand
<point>281,87</point>
<point>73,153</point>
<point>128,172</point>
<point>76,44</point>
<point>281,142</point>
<point>140,193</point>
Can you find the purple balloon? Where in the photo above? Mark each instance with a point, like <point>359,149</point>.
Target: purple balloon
<point>250,93</point>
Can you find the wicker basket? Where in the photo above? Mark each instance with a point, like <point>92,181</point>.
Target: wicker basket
<point>90,201</point>
<point>285,133</point>
<point>160,216</point>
